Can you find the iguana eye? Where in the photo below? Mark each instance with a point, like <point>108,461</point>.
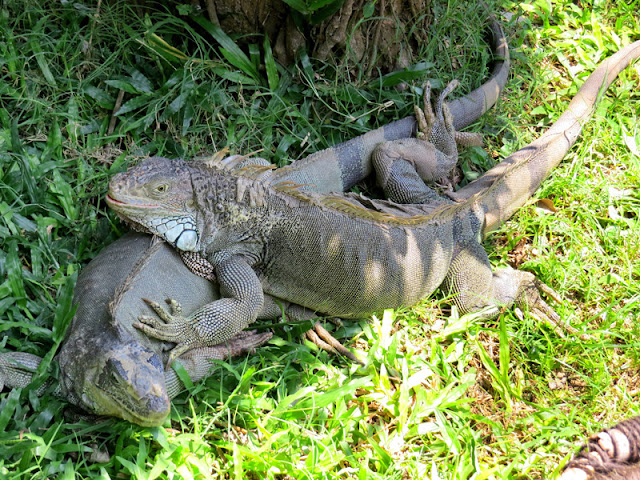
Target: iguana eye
<point>163,187</point>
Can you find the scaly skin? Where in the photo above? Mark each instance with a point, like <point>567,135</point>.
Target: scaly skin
<point>108,367</point>
<point>308,249</point>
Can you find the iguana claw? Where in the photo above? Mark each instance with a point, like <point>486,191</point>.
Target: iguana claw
<point>425,118</point>
<point>542,312</point>
<point>324,340</point>
<point>170,327</point>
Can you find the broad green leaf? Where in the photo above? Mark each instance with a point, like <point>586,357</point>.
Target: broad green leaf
<point>270,66</point>
<point>121,84</point>
<point>323,10</point>
<point>14,274</point>
<point>409,74</point>
<point>65,194</point>
<point>229,49</point>
<point>299,5</point>
<point>103,98</point>
<point>140,82</point>
<point>41,59</point>
<point>133,104</point>
<point>177,104</point>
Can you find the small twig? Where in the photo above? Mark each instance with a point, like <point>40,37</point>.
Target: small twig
<point>211,11</point>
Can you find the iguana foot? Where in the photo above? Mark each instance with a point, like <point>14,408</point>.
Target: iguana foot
<point>244,342</point>
<point>170,327</point>
<point>530,298</point>
<point>403,166</point>
<point>324,340</point>
<point>437,126</point>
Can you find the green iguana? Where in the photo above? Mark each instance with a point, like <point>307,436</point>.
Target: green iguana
<point>100,341</point>
<point>346,255</point>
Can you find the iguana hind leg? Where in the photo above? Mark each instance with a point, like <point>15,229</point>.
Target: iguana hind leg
<point>197,362</point>
<point>402,166</point>
<point>16,369</point>
<point>475,286</point>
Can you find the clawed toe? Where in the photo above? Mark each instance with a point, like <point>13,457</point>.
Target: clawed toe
<point>324,340</point>
<point>437,117</point>
<point>543,313</point>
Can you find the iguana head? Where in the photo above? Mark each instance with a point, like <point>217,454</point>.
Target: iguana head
<point>124,380</point>
<point>158,196</point>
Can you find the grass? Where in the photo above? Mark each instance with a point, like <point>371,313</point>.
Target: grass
<point>441,396</point>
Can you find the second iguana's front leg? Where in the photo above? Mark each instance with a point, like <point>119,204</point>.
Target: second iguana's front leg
<point>216,322</point>
<point>198,361</point>
<point>403,166</point>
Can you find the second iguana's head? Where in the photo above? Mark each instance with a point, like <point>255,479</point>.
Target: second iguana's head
<point>115,376</point>
<point>158,196</point>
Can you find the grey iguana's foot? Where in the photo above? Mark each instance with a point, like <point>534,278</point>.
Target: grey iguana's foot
<point>436,126</point>
<point>170,327</point>
<point>327,342</point>
<point>528,291</point>
<point>474,286</point>
<point>403,166</point>
<point>198,361</point>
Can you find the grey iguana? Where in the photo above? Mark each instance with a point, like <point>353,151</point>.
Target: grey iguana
<point>346,255</point>
<point>109,368</point>
<point>106,366</point>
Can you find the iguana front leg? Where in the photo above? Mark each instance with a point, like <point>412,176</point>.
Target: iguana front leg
<point>16,369</point>
<point>197,362</point>
<point>216,322</point>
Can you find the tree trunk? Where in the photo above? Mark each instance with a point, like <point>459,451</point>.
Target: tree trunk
<point>378,35</point>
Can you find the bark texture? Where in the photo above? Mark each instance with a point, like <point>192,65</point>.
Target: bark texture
<point>382,36</point>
